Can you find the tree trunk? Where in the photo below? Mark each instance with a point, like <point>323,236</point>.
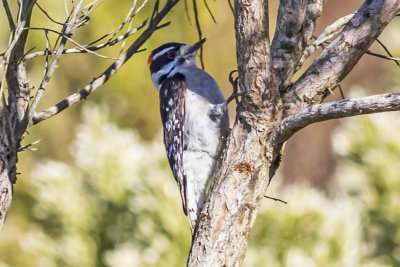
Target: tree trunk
<point>226,220</point>
<point>8,161</point>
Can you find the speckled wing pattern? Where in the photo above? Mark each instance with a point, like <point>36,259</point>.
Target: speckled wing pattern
<point>172,109</point>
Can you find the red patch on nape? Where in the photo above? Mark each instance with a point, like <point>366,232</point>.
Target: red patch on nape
<point>150,60</point>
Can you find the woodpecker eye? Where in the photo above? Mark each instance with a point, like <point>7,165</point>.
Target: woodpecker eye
<point>171,55</point>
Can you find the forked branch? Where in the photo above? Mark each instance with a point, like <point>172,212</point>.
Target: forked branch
<point>153,25</point>
<point>339,58</point>
<point>294,28</point>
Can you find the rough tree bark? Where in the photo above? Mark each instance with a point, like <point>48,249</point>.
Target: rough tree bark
<point>273,109</point>
<point>12,116</point>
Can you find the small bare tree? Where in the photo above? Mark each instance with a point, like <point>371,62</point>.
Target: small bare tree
<point>273,108</point>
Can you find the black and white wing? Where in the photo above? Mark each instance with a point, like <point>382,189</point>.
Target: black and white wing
<point>172,108</point>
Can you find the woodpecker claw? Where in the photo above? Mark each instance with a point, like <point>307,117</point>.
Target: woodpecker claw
<point>235,93</point>
<point>231,80</point>
<point>235,96</point>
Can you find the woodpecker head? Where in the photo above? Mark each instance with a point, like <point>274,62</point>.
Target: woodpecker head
<point>167,59</point>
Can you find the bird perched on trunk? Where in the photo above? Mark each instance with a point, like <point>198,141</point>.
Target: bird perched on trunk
<point>195,120</point>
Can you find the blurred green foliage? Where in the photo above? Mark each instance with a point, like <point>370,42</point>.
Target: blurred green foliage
<point>116,204</point>
<point>358,224</point>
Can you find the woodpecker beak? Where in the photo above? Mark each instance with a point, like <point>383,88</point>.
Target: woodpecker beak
<point>193,49</point>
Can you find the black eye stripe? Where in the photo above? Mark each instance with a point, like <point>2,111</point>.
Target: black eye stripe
<point>162,60</point>
<point>157,64</point>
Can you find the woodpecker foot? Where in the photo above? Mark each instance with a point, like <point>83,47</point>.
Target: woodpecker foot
<point>236,93</point>
<point>234,96</point>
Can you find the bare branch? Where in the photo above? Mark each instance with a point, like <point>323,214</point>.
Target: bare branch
<point>92,6</point>
<point>66,8</point>
<point>342,54</point>
<point>107,74</point>
<point>335,110</point>
<point>111,42</point>
<point>187,12</point>
<point>329,32</point>
<point>46,64</point>
<point>69,25</point>
<point>80,48</point>
<point>395,59</point>
<point>294,28</point>
<point>231,7</point>
<point>9,15</point>
<point>17,81</point>
<point>387,51</point>
<point>86,48</point>
<point>48,16</point>
<point>209,11</point>
<point>128,18</point>
<point>199,33</point>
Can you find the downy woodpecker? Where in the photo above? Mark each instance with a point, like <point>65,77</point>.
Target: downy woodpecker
<point>195,121</point>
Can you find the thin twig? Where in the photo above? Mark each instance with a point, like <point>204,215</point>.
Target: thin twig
<point>46,65</point>
<point>82,47</point>
<point>47,15</point>
<point>66,8</point>
<point>124,41</point>
<point>91,7</point>
<point>329,32</point>
<point>29,146</point>
<point>395,59</point>
<point>187,12</point>
<point>387,51</point>
<point>231,7</point>
<point>341,91</point>
<point>196,18</point>
<point>130,14</point>
<point>69,25</point>
<point>335,110</point>
<point>91,48</point>
<point>276,199</point>
<point>109,72</point>
<point>368,52</point>
<point>9,15</point>
<point>209,11</point>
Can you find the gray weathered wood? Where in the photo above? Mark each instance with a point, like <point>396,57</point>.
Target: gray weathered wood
<point>335,110</point>
<point>294,28</point>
